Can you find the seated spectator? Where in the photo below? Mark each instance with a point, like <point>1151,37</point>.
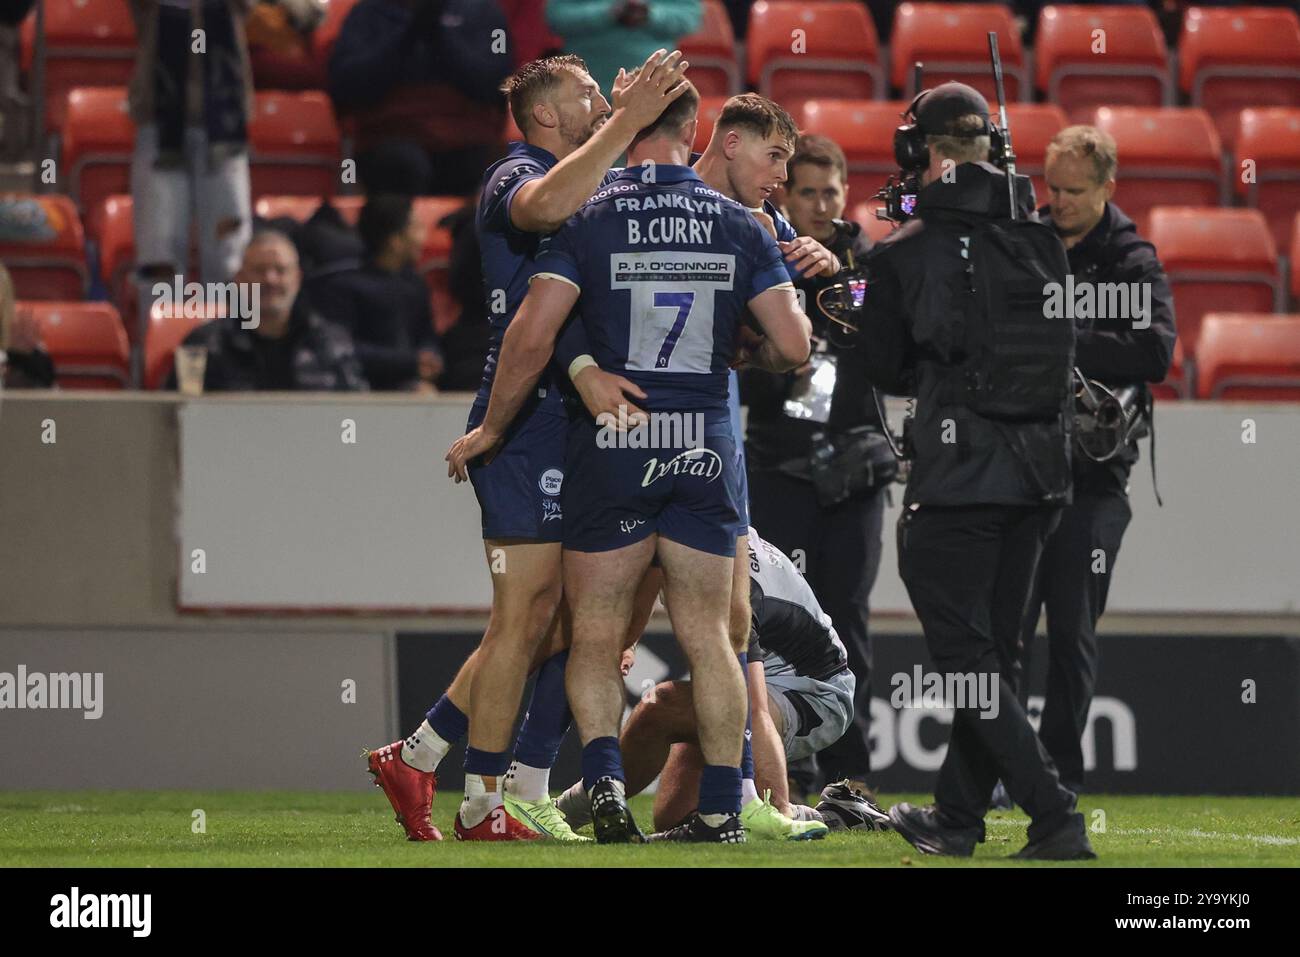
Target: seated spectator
<point>465,344</point>
<point>384,304</point>
<point>290,348</point>
<point>621,33</point>
<point>24,363</point>
<point>422,87</point>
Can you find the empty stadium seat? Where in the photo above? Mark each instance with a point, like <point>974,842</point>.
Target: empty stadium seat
<point>1234,58</point>
<point>87,43</point>
<point>110,226</point>
<point>864,129</point>
<point>951,41</point>
<point>98,140</point>
<point>43,246</point>
<point>799,51</point>
<point>1270,139</point>
<point>1253,356</point>
<point>168,327</point>
<point>710,107</point>
<point>1217,260</point>
<point>1079,69</point>
<point>294,145</point>
<point>302,208</point>
<point>712,53</point>
<point>86,341</point>
<point>1032,127</point>
<point>1167,156</point>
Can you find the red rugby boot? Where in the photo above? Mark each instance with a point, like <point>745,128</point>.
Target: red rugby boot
<point>497,826</point>
<point>408,790</point>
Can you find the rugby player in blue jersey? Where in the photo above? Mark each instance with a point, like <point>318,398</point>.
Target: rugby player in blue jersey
<point>571,140</point>
<point>665,267</point>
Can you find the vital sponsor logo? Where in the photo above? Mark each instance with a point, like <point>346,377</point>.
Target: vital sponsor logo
<point>74,909</point>
<point>77,691</point>
<point>699,463</point>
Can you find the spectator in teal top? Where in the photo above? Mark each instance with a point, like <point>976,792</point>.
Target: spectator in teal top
<point>609,34</point>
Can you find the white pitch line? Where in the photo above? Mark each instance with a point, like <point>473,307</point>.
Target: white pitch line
<point>1271,839</point>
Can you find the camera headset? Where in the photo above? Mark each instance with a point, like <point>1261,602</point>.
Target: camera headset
<point>910,150</point>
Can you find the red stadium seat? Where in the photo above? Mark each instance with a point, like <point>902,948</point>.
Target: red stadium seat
<point>864,129</point>
<point>1217,260</point>
<point>1032,127</point>
<point>168,327</point>
<point>1270,139</point>
<point>98,140</point>
<point>1176,384</point>
<point>798,51</point>
<point>302,208</point>
<point>1239,57</point>
<point>951,41</point>
<point>864,214</point>
<point>712,53</point>
<point>110,225</point>
<point>87,43</point>
<point>43,246</point>
<point>710,107</point>
<point>435,259</point>
<point>1167,157</point>
<point>1079,69</point>
<point>86,341</point>
<point>294,145</point>
<point>1254,356</point>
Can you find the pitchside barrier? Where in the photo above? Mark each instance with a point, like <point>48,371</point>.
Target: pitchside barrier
<point>244,570</point>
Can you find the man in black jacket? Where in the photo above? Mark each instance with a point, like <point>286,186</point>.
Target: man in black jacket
<point>290,347</point>
<point>986,483</point>
<point>835,543</point>
<point>383,303</point>
<point>1118,351</point>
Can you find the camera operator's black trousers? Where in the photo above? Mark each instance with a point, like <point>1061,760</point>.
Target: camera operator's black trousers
<point>1072,581</point>
<point>840,547</point>
<point>969,571</point>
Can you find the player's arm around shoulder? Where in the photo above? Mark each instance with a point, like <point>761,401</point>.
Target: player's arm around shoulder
<point>775,305</point>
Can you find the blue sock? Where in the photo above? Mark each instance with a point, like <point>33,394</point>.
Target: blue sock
<point>548,718</point>
<point>447,720</point>
<point>719,790</point>
<point>487,763</point>
<point>747,749</point>
<point>602,759</point>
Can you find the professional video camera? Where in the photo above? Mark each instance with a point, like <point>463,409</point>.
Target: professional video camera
<point>1105,419</point>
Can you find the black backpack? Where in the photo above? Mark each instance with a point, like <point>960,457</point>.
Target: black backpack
<point>1018,363</point>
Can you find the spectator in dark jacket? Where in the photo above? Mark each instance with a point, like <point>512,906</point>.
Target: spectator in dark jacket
<point>290,347</point>
<point>465,345</point>
<point>421,85</point>
<point>384,304</point>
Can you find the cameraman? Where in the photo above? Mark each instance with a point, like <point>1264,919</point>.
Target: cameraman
<point>955,315</point>
<point>1103,246</point>
<point>824,411</point>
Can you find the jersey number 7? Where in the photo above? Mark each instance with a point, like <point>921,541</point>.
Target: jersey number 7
<point>682,302</point>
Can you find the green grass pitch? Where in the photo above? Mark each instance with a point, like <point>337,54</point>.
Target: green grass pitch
<point>286,829</point>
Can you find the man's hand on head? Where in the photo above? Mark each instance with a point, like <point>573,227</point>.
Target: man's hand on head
<point>644,94</point>
<point>810,258</point>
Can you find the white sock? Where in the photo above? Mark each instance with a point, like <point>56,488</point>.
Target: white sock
<point>748,791</point>
<point>424,749</point>
<point>482,794</point>
<point>575,805</point>
<point>528,783</point>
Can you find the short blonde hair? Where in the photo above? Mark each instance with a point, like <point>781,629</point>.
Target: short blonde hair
<point>958,145</point>
<point>1087,143</point>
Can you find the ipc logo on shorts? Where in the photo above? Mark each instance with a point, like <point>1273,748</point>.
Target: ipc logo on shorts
<point>551,481</point>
